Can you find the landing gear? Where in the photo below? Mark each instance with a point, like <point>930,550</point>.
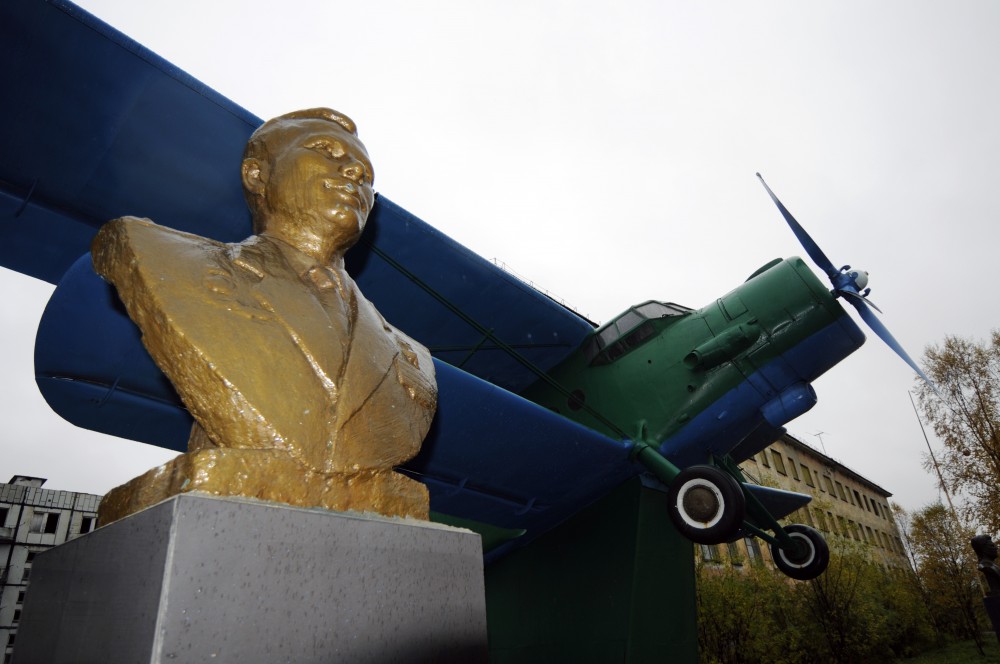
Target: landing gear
<point>707,505</point>
<point>810,557</point>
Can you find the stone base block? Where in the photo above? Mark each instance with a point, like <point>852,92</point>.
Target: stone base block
<point>204,579</point>
<point>992,604</point>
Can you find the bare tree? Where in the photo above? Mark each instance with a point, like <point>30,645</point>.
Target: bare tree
<point>966,417</point>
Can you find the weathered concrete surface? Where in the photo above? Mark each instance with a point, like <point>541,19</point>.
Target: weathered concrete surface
<point>199,579</point>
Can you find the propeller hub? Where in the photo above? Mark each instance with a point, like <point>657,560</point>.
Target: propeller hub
<point>850,280</point>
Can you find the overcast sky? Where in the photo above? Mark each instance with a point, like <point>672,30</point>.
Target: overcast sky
<point>607,151</point>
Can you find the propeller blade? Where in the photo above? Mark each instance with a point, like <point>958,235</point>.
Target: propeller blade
<point>862,298</point>
<point>883,333</point>
<point>805,240</point>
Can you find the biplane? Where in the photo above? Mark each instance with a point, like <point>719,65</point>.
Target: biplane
<point>541,412</point>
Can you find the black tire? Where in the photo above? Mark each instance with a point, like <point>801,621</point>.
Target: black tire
<point>810,561</point>
<point>707,505</point>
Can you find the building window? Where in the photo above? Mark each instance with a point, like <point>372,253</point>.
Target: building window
<point>20,597</point>
<point>709,553</point>
<point>840,492</point>
<point>833,522</point>
<point>17,616</point>
<point>867,506</point>
<point>779,463</point>
<point>871,535</point>
<point>4,511</point>
<point>857,497</point>
<point>821,520</point>
<point>843,527</point>
<point>735,557</point>
<point>44,522</point>
<point>829,485</point>
<point>753,549</point>
<point>793,468</point>
<point>806,473</point>
<point>763,459</point>
<point>854,530</point>
<point>25,575</point>
<point>87,524</point>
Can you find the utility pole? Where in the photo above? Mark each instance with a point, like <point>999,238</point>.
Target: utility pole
<point>937,468</point>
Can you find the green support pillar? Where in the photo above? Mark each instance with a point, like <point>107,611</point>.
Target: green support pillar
<point>614,584</point>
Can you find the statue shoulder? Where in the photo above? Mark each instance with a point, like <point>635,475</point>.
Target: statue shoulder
<point>143,233</point>
<point>124,244</point>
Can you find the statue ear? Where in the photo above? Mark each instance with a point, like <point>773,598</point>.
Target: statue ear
<point>254,174</point>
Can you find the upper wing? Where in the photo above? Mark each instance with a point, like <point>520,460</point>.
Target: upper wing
<point>98,127</point>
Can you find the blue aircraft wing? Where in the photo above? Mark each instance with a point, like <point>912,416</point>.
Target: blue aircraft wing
<point>97,127</point>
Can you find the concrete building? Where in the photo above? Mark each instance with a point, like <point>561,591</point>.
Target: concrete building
<point>845,505</point>
<point>32,520</point>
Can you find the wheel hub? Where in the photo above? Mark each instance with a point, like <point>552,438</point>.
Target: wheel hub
<point>800,552</point>
<point>701,503</point>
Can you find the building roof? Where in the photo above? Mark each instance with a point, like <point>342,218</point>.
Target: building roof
<point>834,464</point>
<point>25,480</point>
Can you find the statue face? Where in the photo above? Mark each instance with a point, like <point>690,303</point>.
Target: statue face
<point>319,181</point>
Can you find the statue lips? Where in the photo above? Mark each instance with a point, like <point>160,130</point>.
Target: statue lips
<point>348,192</point>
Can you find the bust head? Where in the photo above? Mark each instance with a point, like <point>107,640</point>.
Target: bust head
<point>984,547</point>
<point>308,181</point>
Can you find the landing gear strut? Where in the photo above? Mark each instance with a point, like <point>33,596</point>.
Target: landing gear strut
<point>708,505</point>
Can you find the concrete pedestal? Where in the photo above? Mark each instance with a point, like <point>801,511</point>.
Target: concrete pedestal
<point>992,604</point>
<point>203,579</point>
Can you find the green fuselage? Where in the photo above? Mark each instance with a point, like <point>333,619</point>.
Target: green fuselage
<point>652,371</point>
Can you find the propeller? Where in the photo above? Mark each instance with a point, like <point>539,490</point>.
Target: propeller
<point>850,284</point>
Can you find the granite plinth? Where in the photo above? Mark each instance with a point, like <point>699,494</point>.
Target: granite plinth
<point>205,579</point>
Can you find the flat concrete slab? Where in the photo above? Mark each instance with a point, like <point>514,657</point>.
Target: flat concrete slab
<point>203,579</point>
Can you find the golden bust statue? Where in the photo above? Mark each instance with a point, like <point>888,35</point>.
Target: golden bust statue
<point>300,390</point>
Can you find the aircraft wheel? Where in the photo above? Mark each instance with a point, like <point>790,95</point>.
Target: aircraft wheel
<point>809,561</point>
<point>706,504</point>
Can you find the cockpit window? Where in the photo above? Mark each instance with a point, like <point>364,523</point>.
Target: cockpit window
<point>629,330</point>
<point>660,309</point>
<point>628,320</point>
